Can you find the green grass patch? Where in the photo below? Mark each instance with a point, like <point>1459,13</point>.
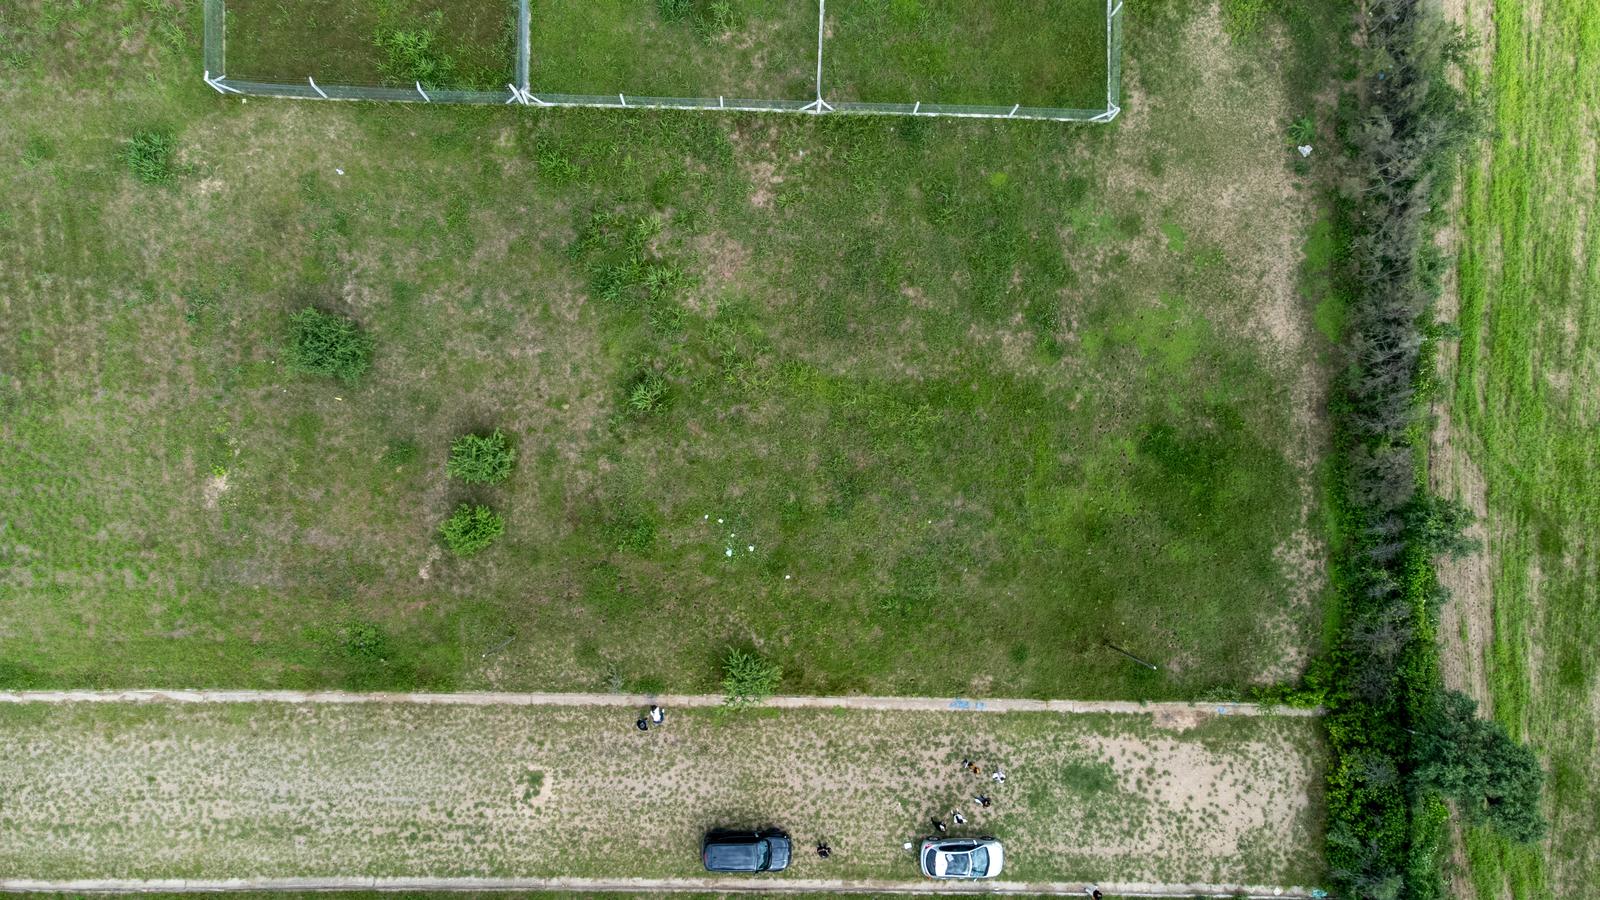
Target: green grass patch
<point>762,49</point>
<point>1525,383</point>
<point>442,43</point>
<point>1048,53</point>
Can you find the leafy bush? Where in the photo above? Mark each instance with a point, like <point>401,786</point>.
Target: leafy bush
<point>414,54</point>
<point>747,679</point>
<point>1493,778</point>
<point>327,344</point>
<point>149,155</point>
<point>647,393</point>
<point>472,528</point>
<point>481,458</point>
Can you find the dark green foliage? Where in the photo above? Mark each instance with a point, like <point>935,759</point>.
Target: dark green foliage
<point>327,344</point>
<point>647,392</point>
<point>1439,527</point>
<point>149,156</point>
<point>471,529</point>
<point>1492,778</point>
<point>747,679</point>
<point>481,458</point>
<point>673,10</point>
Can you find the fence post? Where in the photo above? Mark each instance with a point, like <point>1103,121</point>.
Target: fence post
<point>423,93</point>
<point>524,44</point>
<point>314,87</point>
<point>820,105</point>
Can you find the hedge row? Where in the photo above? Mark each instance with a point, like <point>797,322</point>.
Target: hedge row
<point>1402,745</point>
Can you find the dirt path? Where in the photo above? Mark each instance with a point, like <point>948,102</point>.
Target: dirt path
<point>216,791</point>
<point>637,885</point>
<point>493,698</point>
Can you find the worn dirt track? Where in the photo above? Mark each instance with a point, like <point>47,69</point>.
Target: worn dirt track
<point>495,698</point>
<point>643,885</point>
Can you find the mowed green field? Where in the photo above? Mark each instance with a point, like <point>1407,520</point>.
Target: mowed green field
<point>946,406</point>
<point>271,790</point>
<point>1525,393</point>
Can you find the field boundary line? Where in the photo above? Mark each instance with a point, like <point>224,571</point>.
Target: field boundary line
<point>508,698</point>
<point>634,885</point>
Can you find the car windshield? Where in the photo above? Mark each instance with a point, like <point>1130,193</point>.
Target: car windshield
<point>980,862</point>
<point>763,854</point>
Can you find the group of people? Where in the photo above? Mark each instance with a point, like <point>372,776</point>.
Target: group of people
<point>656,716</point>
<point>983,801</point>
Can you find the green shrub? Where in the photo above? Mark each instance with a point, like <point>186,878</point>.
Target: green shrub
<point>647,393</point>
<point>149,156</point>
<point>413,54</point>
<point>481,458</point>
<point>471,528</point>
<point>747,679</point>
<point>327,344</point>
<point>673,10</point>
<point>1493,778</point>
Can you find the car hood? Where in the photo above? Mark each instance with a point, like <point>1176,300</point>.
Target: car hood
<point>780,854</point>
<point>997,859</point>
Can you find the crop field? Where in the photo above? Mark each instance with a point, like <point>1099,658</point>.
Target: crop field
<point>907,407</point>
<point>153,791</point>
<point>1524,404</point>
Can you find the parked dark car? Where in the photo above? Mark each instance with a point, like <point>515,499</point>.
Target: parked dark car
<point>746,851</point>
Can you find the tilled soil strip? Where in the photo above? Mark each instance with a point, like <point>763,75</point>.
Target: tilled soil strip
<point>636,885</point>
<point>503,698</point>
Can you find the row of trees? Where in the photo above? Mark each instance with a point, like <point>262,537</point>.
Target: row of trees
<point>1402,743</point>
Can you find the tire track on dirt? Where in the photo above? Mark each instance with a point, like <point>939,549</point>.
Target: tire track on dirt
<point>500,698</point>
<point>637,885</point>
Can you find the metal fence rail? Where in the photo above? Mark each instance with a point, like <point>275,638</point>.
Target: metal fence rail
<point>520,91</point>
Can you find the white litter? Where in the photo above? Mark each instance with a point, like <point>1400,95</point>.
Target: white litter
<point>340,171</point>
<point>729,551</point>
<point>1305,150</point>
<point>751,548</point>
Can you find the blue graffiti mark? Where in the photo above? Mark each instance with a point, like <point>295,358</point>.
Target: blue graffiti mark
<point>967,704</point>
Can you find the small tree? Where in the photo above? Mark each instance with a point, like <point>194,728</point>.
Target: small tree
<point>1492,777</point>
<point>327,344</point>
<point>747,679</point>
<point>472,528</point>
<point>481,458</point>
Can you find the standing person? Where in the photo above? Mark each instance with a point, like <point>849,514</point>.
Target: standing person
<point>657,714</point>
<point>641,724</point>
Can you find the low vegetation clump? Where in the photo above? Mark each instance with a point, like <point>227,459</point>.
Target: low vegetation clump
<point>150,157</point>
<point>415,54</point>
<point>481,458</point>
<point>472,528</point>
<point>1401,742</point>
<point>327,344</point>
<point>747,679</point>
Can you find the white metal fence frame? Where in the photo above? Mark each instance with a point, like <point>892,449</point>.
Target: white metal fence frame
<point>520,91</point>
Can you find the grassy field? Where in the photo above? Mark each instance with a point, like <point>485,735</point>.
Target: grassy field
<point>240,790</point>
<point>1524,397</point>
<point>760,49</point>
<point>1003,52</point>
<point>462,43</point>
<point>932,407</point>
